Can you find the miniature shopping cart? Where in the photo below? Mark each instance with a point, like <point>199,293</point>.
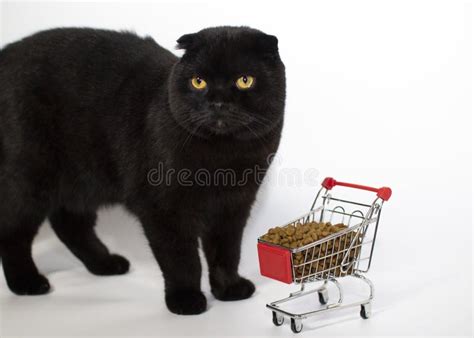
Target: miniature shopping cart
<point>344,253</point>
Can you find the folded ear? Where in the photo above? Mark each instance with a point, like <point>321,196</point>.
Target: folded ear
<point>187,41</point>
<point>268,44</point>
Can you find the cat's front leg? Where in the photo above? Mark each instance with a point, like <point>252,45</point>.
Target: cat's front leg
<point>174,242</point>
<point>222,240</point>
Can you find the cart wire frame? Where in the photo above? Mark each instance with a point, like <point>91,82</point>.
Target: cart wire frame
<point>348,252</point>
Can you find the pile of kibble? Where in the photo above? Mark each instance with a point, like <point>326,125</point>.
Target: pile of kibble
<point>320,261</point>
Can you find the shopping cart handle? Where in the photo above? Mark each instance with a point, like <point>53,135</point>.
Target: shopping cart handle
<point>384,192</point>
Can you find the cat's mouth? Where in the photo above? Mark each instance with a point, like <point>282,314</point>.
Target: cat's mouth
<point>224,123</point>
<point>211,123</point>
<point>221,127</point>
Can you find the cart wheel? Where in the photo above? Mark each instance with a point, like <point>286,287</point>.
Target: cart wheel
<point>278,319</point>
<point>296,325</point>
<point>323,296</point>
<point>365,311</point>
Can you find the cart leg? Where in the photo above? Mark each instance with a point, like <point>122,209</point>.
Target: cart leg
<point>366,310</point>
<point>296,325</point>
<point>369,283</point>
<point>277,318</point>
<point>339,289</point>
<point>297,292</point>
<point>323,296</point>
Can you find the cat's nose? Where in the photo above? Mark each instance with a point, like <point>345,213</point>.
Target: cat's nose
<point>217,105</point>
<point>220,124</point>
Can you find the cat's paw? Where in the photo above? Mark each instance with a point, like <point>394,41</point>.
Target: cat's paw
<point>186,302</point>
<point>239,289</point>
<point>30,285</point>
<point>109,265</point>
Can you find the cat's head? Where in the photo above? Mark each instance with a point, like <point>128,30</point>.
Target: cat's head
<point>230,81</point>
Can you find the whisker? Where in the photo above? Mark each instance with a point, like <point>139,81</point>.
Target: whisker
<point>200,119</point>
<point>258,138</point>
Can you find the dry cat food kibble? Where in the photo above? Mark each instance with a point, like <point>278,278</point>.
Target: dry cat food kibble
<point>321,259</point>
<point>295,236</point>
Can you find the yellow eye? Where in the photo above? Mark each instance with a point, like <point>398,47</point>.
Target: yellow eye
<point>198,83</point>
<point>245,82</point>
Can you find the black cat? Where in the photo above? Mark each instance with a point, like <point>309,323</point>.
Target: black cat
<point>86,117</point>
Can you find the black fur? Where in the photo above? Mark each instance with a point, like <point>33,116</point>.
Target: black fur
<point>86,115</point>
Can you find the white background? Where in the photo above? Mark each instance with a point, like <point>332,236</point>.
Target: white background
<point>379,92</point>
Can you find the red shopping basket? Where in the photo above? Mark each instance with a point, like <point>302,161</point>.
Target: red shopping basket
<point>275,262</point>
